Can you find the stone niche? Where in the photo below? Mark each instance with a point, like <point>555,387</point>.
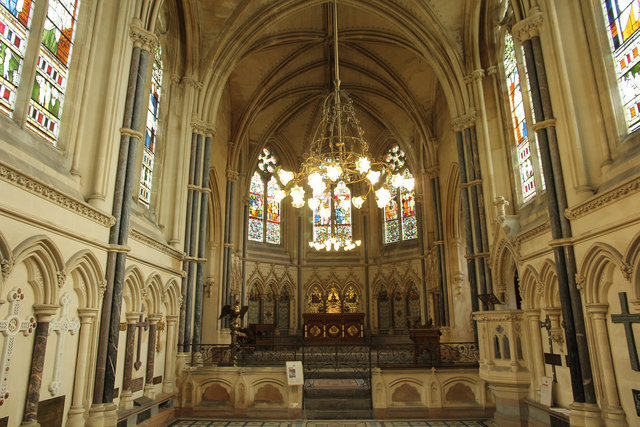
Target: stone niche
<point>268,395</point>
<point>406,395</point>
<point>215,396</point>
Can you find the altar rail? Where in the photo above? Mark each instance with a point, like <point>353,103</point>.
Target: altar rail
<point>458,354</point>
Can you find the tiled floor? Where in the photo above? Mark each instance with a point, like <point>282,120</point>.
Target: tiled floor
<point>386,423</point>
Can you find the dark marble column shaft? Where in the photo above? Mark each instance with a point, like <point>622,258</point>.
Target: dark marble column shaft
<point>202,246</point>
<point>187,243</point>
<point>101,359</point>
<point>151,351</point>
<point>130,178</point>
<point>127,373</point>
<point>35,374</point>
<point>230,210</point>
<point>367,284</point>
<point>443,306</point>
<point>466,214</point>
<point>193,240</point>
<point>423,261</point>
<point>571,304</point>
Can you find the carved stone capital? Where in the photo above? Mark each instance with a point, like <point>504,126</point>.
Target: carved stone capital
<point>477,74</point>
<point>433,171</point>
<point>190,81</point>
<point>492,70</point>
<point>142,38</point>
<point>529,27</point>
<point>464,121</point>
<point>232,175</point>
<point>202,127</point>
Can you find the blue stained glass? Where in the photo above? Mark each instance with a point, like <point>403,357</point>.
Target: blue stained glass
<point>391,231</point>
<point>342,208</point>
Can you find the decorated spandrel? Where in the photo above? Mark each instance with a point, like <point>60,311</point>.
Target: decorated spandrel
<point>149,149</point>
<point>256,208</point>
<point>15,19</point>
<point>322,218</point>
<point>525,169</point>
<point>384,312</point>
<point>47,95</point>
<point>623,22</point>
<point>342,208</point>
<point>253,314</point>
<point>273,212</point>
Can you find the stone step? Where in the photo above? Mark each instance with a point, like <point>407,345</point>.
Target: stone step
<point>360,414</point>
<point>331,374</point>
<point>333,404</point>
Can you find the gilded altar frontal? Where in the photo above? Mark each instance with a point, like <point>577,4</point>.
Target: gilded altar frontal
<point>319,211</point>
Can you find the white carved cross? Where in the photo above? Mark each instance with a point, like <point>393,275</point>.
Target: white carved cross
<point>61,326</point>
<point>10,328</point>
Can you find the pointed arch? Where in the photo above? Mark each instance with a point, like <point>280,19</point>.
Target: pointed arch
<point>153,295</point>
<point>549,278</point>
<point>529,288</point>
<point>632,264</point>
<point>133,289</point>
<point>41,255</point>
<point>88,278</point>
<point>172,297</point>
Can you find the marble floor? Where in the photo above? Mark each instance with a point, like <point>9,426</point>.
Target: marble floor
<point>320,423</point>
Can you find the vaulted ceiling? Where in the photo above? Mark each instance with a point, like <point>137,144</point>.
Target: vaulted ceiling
<point>271,62</point>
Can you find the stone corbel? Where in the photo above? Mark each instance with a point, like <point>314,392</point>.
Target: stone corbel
<point>232,175</point>
<point>627,271</point>
<point>529,27</point>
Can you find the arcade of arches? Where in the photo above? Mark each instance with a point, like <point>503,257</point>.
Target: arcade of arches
<point>140,142</point>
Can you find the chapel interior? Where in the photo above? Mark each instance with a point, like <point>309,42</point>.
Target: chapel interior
<point>184,219</point>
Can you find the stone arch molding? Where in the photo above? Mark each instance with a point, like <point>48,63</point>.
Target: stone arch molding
<point>45,266</point>
<point>88,278</point>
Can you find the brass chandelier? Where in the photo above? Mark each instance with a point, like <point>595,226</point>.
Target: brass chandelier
<point>338,153</point>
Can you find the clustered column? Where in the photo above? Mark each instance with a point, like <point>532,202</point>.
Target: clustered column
<point>527,32</point>
<point>475,226</point>
<point>195,241</point>
<point>443,306</point>
<point>144,43</point>
<point>232,177</point>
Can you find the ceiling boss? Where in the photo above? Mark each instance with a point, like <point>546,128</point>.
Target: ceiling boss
<point>338,156</point>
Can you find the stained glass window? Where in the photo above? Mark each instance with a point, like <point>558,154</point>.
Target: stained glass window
<point>322,218</point>
<point>399,311</point>
<point>273,212</point>
<point>148,152</point>
<point>623,21</point>
<point>47,96</point>
<point>342,211</point>
<point>400,221</point>
<point>413,301</point>
<point>268,307</point>
<point>15,19</point>
<point>516,104</point>
<point>256,208</point>
<point>264,204</point>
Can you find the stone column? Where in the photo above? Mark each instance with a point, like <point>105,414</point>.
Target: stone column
<point>170,354</point>
<point>443,306</point>
<point>611,410</point>
<point>535,339</point>
<point>43,313</point>
<point>202,245</point>
<point>151,355</point>
<point>232,178</point>
<point>75,416</point>
<point>126,396</point>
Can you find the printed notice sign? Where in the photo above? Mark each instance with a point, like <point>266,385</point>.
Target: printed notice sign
<point>294,373</point>
<point>545,391</point>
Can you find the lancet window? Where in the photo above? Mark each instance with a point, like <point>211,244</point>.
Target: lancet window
<point>264,201</point>
<point>334,208</point>
<point>398,309</point>
<point>149,150</point>
<point>623,24</point>
<point>49,86</point>
<point>525,152</point>
<point>400,221</point>
<point>14,30</point>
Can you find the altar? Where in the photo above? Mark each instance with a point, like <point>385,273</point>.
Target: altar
<point>333,328</point>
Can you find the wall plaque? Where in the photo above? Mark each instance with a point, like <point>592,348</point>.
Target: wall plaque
<point>157,380</point>
<point>51,411</point>
<point>136,384</point>
<point>636,400</point>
